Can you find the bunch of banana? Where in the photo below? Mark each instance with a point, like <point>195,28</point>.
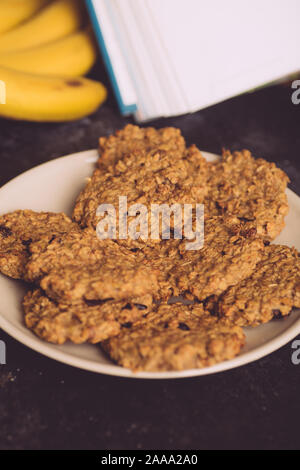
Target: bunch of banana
<point>45,49</point>
<point>14,12</point>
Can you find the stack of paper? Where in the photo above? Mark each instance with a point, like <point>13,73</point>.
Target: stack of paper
<point>170,57</point>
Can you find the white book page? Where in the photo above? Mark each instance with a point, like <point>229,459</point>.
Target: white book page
<point>118,64</point>
<point>156,85</point>
<point>178,56</point>
<point>221,48</point>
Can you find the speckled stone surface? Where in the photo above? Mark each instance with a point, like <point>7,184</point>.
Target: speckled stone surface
<point>47,405</point>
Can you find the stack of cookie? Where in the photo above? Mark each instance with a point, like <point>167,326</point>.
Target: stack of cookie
<point>150,303</point>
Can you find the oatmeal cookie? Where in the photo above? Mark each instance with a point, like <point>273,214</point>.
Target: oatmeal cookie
<point>78,265</point>
<point>248,187</point>
<point>76,247</point>
<point>174,337</point>
<point>271,291</point>
<point>162,258</point>
<point>153,177</point>
<point>132,138</point>
<point>230,253</point>
<point>19,229</point>
<point>111,278</point>
<point>85,322</point>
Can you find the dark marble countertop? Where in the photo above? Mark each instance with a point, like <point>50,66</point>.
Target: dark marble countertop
<point>48,405</point>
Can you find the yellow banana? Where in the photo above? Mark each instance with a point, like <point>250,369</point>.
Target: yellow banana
<point>14,12</point>
<point>72,56</point>
<point>50,99</point>
<point>58,19</point>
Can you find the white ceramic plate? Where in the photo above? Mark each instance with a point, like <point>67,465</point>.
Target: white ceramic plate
<point>53,187</point>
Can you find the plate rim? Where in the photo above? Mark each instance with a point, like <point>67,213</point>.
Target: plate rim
<point>51,351</point>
